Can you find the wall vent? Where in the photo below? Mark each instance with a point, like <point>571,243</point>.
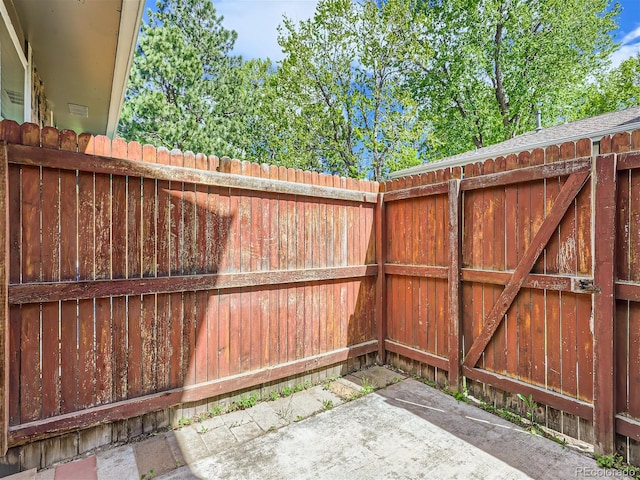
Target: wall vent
<point>79,110</point>
<point>16,98</point>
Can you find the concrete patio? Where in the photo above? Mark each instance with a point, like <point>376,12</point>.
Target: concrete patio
<point>406,430</point>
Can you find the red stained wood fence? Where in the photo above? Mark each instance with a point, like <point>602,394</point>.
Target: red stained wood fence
<point>140,278</point>
<point>520,273</point>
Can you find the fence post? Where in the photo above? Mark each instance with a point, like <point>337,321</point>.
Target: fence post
<point>4,303</point>
<point>381,285</point>
<point>455,328</point>
<point>604,235</point>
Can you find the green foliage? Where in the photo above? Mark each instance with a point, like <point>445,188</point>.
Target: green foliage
<point>617,462</point>
<point>367,385</point>
<point>369,87</point>
<point>530,406</point>
<point>459,396</point>
<point>184,421</point>
<point>482,68</point>
<point>248,402</point>
<point>216,410</point>
<point>338,101</point>
<point>185,89</point>
<point>327,404</point>
<point>148,476</point>
<point>274,395</point>
<point>612,90</point>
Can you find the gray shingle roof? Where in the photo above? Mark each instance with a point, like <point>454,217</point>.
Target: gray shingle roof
<point>593,127</point>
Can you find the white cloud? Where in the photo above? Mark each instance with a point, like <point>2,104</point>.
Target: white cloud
<point>631,36</point>
<point>623,53</point>
<point>630,47</point>
<point>256,22</point>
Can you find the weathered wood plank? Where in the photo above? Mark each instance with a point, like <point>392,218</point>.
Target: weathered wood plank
<point>54,291</point>
<point>628,161</point>
<point>381,282</point>
<point>50,254</point>
<point>604,187</point>
<point>103,270</point>
<point>415,354</point>
<point>628,427</point>
<point>415,270</point>
<point>418,191</point>
<point>528,174</point>
<point>4,304</point>
<point>30,360</point>
<point>35,156</point>
<point>540,394</point>
<point>564,283</point>
<point>521,175</point>
<point>454,279</point>
<point>27,432</point>
<point>441,259</point>
<point>523,296</point>
<point>627,291</point>
<point>565,198</point>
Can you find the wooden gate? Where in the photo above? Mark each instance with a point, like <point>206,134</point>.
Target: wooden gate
<point>519,296</point>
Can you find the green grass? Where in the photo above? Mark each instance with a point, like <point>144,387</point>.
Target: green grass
<point>618,463</point>
<point>183,422</point>
<point>248,401</point>
<point>217,410</point>
<point>274,395</point>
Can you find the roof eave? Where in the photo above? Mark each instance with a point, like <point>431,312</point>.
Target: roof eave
<point>130,19</point>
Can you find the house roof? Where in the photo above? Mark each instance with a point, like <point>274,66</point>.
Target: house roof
<point>83,51</point>
<point>593,127</point>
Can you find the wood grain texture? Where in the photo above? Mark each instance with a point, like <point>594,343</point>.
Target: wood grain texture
<point>4,304</point>
<point>28,155</point>
<point>604,310</point>
<point>454,279</point>
<point>566,196</point>
<point>186,275</point>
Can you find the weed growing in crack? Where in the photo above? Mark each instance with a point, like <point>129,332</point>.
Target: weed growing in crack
<point>248,402</point>
<point>531,406</point>
<point>217,410</point>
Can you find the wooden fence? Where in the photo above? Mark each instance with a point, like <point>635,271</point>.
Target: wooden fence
<point>139,278</point>
<point>504,274</point>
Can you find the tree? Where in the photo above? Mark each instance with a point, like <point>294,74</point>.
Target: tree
<point>483,67</point>
<point>185,89</point>
<point>613,90</point>
<point>342,104</point>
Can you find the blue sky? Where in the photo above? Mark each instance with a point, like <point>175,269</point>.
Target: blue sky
<point>256,22</point>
